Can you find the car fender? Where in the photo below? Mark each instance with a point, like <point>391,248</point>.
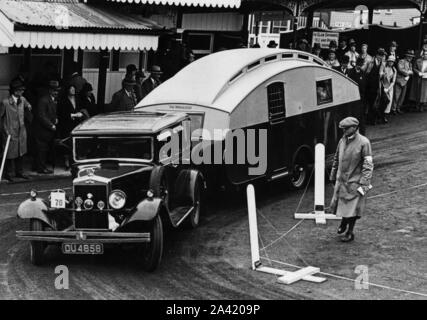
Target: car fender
<point>304,148</point>
<point>34,209</point>
<point>186,183</point>
<point>146,210</point>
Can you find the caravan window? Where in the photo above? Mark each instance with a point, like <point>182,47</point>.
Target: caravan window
<point>276,101</point>
<point>324,91</point>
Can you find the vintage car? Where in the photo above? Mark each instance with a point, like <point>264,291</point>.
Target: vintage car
<point>293,95</point>
<point>125,190</point>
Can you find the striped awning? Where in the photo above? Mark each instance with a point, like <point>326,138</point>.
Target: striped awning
<point>195,3</point>
<point>74,25</point>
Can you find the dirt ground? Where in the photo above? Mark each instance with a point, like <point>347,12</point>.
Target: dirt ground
<point>213,261</point>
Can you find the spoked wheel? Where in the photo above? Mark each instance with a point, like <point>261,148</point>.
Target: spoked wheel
<point>299,176</point>
<point>150,254</point>
<point>37,248</point>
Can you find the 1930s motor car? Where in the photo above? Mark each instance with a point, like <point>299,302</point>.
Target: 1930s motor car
<point>125,191</point>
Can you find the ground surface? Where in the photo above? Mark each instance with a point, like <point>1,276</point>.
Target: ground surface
<point>213,261</point>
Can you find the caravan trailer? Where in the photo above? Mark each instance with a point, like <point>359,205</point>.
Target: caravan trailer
<point>294,95</point>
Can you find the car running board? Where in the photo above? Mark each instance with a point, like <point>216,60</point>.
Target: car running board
<point>178,214</point>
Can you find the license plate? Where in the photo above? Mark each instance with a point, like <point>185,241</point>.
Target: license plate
<point>57,199</point>
<point>82,248</point>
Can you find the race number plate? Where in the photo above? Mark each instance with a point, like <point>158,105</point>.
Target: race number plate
<point>57,199</point>
<point>82,248</point>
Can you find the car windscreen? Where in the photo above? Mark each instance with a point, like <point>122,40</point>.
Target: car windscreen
<point>86,148</point>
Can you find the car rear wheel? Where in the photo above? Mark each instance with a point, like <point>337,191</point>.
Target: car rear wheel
<point>151,253</point>
<point>37,248</point>
<point>299,175</point>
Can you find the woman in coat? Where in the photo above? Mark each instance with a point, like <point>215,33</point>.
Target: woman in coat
<point>388,75</point>
<point>70,114</point>
<point>419,87</point>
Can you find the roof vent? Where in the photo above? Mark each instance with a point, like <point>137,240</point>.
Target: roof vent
<point>270,58</point>
<point>238,74</point>
<point>287,55</point>
<point>253,65</point>
<point>303,56</point>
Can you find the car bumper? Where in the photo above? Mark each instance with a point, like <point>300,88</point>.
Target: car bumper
<point>84,236</point>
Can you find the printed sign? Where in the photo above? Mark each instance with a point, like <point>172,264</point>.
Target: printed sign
<point>323,38</point>
<point>57,199</point>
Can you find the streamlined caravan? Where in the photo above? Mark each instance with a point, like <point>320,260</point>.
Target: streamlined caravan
<point>291,96</point>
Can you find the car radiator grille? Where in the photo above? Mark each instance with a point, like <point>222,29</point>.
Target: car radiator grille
<point>91,219</point>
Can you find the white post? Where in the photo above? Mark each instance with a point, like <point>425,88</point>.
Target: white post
<point>253,226</point>
<point>319,182</point>
<point>319,190</point>
<point>4,156</point>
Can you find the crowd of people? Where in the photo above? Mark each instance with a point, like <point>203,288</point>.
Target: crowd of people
<point>389,84</point>
<point>38,116</point>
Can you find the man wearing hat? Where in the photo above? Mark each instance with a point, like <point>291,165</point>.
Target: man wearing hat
<point>404,72</point>
<point>342,49</point>
<point>124,99</point>
<point>272,44</point>
<point>392,50</point>
<point>352,53</point>
<point>12,123</point>
<point>367,59</point>
<point>45,126</point>
<point>351,174</point>
<point>316,50</point>
<point>152,81</point>
<point>302,45</point>
<point>332,60</point>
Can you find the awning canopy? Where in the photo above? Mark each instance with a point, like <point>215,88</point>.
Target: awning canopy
<point>74,25</point>
<point>195,3</point>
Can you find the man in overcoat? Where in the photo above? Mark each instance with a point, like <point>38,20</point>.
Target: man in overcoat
<point>351,173</point>
<point>45,127</point>
<point>152,81</point>
<point>12,122</point>
<point>404,72</point>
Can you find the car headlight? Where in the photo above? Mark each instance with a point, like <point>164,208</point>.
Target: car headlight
<point>117,199</point>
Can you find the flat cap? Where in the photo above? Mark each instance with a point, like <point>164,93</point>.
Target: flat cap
<point>349,122</point>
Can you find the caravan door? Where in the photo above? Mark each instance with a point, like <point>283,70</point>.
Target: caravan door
<point>277,139</point>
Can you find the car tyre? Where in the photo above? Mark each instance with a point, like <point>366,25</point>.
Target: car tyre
<point>37,248</point>
<point>299,175</point>
<point>151,253</point>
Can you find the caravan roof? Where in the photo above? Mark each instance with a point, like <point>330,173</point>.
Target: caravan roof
<point>223,79</point>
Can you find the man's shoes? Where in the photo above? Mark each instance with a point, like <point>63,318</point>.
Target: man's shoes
<point>400,111</point>
<point>348,237</point>
<point>22,176</point>
<point>341,229</point>
<point>393,112</point>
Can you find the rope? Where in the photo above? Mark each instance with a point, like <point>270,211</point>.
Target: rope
<point>352,280</point>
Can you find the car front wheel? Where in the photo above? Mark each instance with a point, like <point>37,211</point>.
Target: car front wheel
<point>151,252</point>
<point>37,247</point>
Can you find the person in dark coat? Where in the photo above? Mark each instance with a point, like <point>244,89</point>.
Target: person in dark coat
<point>152,81</point>
<point>12,110</point>
<point>87,100</point>
<point>139,78</point>
<point>70,114</point>
<point>125,98</point>
<point>45,127</point>
<point>359,76</point>
<point>373,86</point>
